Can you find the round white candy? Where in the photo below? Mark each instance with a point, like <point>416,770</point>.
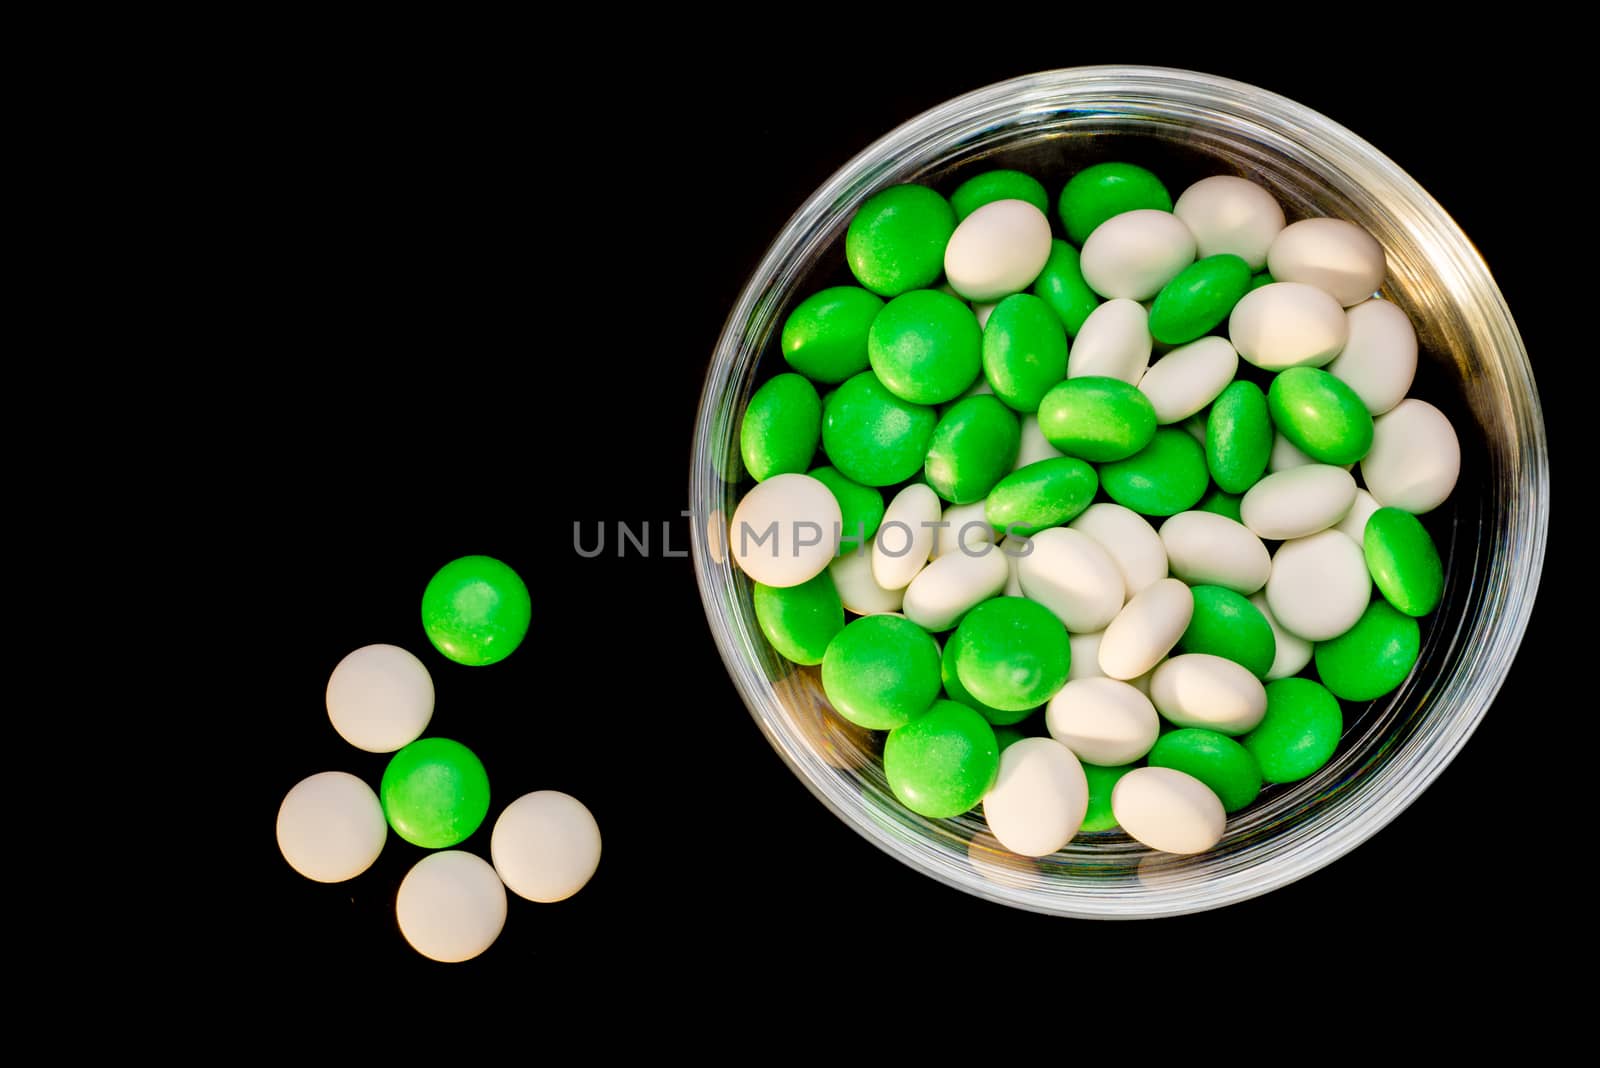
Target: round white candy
<point>1130,540</point>
<point>1415,457</point>
<point>785,530</point>
<point>1039,797</point>
<point>953,585</point>
<point>1201,690</point>
<point>1146,629</point>
<point>1354,523</point>
<point>997,250</point>
<point>1379,359</point>
<point>1319,585</point>
<point>1134,254</point>
<point>331,827</point>
<point>1189,377</point>
<point>1114,342</point>
<point>1292,653</point>
<point>451,906</point>
<point>1228,214</point>
<point>1085,662</point>
<point>1336,256</point>
<point>1103,721</point>
<point>1286,324</point>
<point>1298,502</point>
<point>1204,548</point>
<point>965,529</point>
<point>907,530</point>
<point>545,845</point>
<point>1035,446</point>
<point>859,591</point>
<point>380,698</point>
<point>1168,810</point>
<point>1286,454</point>
<point>1070,574</point>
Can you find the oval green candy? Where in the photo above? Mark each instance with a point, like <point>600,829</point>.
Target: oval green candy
<point>1320,415</point>
<point>1098,419</point>
<point>1024,351</point>
<point>1201,296</point>
<point>896,240</point>
<point>1102,781</point>
<point>1061,285</point>
<point>860,508</point>
<point>1166,477</point>
<point>879,671</point>
<point>1096,193</point>
<point>1222,504</point>
<point>990,186</point>
<point>872,436</point>
<point>782,424</point>
<point>1298,734</point>
<point>957,692</point>
<point>1043,494</point>
<point>1012,653</point>
<point>1215,759</point>
<point>435,792</point>
<point>1227,625</point>
<point>1373,657</point>
<point>943,762</point>
<point>973,447</point>
<point>925,346</point>
<point>1404,562</point>
<point>800,620</point>
<point>1238,437</point>
<point>825,337</point>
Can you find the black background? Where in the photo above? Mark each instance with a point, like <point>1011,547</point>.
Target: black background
<point>491,300</point>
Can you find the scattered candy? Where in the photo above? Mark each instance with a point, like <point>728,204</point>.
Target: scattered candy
<point>380,698</point>
<point>476,610</point>
<point>435,793</point>
<point>451,906</point>
<point>330,827</point>
<point>546,846</point>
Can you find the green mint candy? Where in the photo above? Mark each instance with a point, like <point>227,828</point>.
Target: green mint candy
<point>1098,419</point>
<point>952,687</point>
<point>1102,781</point>
<point>860,508</point>
<point>1222,504</point>
<point>1201,296</point>
<point>1024,351</point>
<point>800,620</point>
<point>1043,494</point>
<point>782,425</point>
<point>1215,759</point>
<point>1238,437</point>
<point>926,347</point>
<point>1373,657</point>
<point>873,437</point>
<point>880,671</point>
<point>1404,562</point>
<point>973,447</point>
<point>942,762</point>
<point>1061,286</point>
<point>435,793</point>
<point>1298,734</point>
<point>825,337</point>
<point>896,241</point>
<point>1012,653</point>
<point>1166,477</point>
<point>1320,415</point>
<point>1096,193</point>
<point>1226,624</point>
<point>991,186</point>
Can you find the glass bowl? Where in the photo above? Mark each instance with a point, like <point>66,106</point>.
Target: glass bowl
<point>1184,126</point>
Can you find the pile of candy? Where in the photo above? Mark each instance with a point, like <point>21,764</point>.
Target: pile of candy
<point>1149,553</point>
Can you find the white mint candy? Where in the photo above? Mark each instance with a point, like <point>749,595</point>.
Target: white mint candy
<point>1204,548</point>
<point>1035,446</point>
<point>1134,254</point>
<point>1336,256</point>
<point>1039,797</point>
<point>1070,574</point>
<point>451,906</point>
<point>1130,540</point>
<point>1146,629</point>
<point>774,526</point>
<point>1354,523</point>
<point>859,591</point>
<point>1231,215</point>
<point>1189,377</point>
<point>1114,342</point>
<point>331,827</point>
<point>1298,502</point>
<point>1287,324</point>
<point>966,528</point>
<point>380,698</point>
<point>1319,586</point>
<point>953,585</point>
<point>545,845</point>
<point>1293,653</point>
<point>1415,457</point>
<point>1103,721</point>
<point>997,250</point>
<point>1379,359</point>
<point>1085,663</point>
<point>1201,690</point>
<point>1168,810</point>
<point>907,530</point>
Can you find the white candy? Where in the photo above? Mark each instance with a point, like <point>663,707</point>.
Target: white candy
<point>1319,585</point>
<point>1204,548</point>
<point>1039,797</point>
<point>913,513</point>
<point>1085,662</point>
<point>1415,457</point>
<point>966,529</point>
<point>1130,540</point>
<point>982,311</point>
<point>1298,502</point>
<point>1134,254</point>
<point>1114,342</point>
<point>952,585</point>
<point>380,698</point>
<point>1336,256</point>
<point>451,906</point>
<point>1228,214</point>
<point>1168,810</point>
<point>1035,446</point>
<point>773,527</point>
<point>545,845</point>
<point>1380,358</point>
<point>1103,721</point>
<point>1292,653</point>
<point>1196,426</point>
<point>1012,550</point>
<point>1354,523</point>
<point>1146,629</point>
<point>1201,690</point>
<point>331,827</point>
<point>1286,454</point>
<point>859,591</point>
<point>1286,324</point>
<point>1189,377</point>
<point>1070,574</point>
<point>997,250</point>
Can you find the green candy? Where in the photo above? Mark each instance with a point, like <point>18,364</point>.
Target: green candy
<point>1166,477</point>
<point>781,426</point>
<point>860,508</point>
<point>990,186</point>
<point>1061,286</point>
<point>1222,504</point>
<point>926,346</point>
<point>1298,734</point>
<point>1098,419</point>
<point>1238,437</point>
<point>1024,351</point>
<point>957,692</point>
<point>800,620</point>
<point>880,671</point>
<point>1373,657</point>
<point>825,337</point>
<point>1320,415</point>
<point>1005,737</point>
<point>476,610</point>
<point>1403,560</point>
<point>1227,625</point>
<point>872,436</point>
<point>1042,494</point>
<point>1012,653</point>
<point>1200,297</point>
<point>896,241</point>
<point>1102,781</point>
<point>973,447</point>
<point>1259,279</point>
<point>1097,193</point>
<point>942,763</point>
<point>435,793</point>
<point>1215,759</point>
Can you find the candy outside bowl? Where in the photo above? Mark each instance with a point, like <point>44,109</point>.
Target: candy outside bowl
<point>1184,126</point>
